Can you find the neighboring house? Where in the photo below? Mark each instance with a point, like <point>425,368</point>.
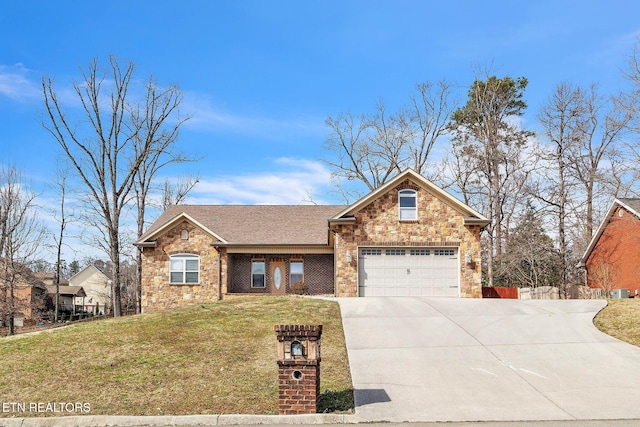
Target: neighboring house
<point>611,259</point>
<point>49,278</point>
<point>96,285</point>
<point>68,297</point>
<point>29,297</point>
<point>408,237</point>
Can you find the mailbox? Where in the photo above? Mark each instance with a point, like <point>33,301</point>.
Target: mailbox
<point>298,342</point>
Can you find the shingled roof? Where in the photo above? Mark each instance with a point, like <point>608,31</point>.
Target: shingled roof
<point>73,291</point>
<point>272,225</point>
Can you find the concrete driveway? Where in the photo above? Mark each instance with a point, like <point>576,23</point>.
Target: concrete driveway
<point>420,359</point>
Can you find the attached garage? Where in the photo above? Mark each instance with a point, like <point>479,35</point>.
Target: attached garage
<point>401,271</point>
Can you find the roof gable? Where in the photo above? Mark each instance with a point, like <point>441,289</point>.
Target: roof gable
<point>160,227</point>
<point>87,272</point>
<point>631,205</point>
<point>471,216</point>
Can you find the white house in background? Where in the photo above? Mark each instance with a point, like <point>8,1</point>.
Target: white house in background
<point>97,286</point>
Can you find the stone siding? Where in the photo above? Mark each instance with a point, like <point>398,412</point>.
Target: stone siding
<point>157,291</point>
<point>378,224</point>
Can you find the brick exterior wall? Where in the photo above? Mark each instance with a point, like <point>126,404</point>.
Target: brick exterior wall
<point>377,224</point>
<point>317,269</point>
<point>157,291</point>
<point>613,263</point>
<point>298,396</point>
<point>318,274</point>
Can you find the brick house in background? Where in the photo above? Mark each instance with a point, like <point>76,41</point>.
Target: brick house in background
<point>408,237</point>
<point>612,257</point>
<point>29,297</point>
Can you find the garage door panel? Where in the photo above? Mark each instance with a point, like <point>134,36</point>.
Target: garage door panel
<point>408,272</point>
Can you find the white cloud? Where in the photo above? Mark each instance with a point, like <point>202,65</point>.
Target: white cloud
<point>206,116</point>
<point>15,83</point>
<point>294,182</point>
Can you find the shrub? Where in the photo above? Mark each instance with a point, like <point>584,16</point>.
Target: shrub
<point>299,288</point>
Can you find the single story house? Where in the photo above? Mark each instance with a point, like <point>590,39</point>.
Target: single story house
<point>611,258</point>
<point>408,237</point>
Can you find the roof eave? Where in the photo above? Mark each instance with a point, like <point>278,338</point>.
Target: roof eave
<point>476,221</point>
<point>346,220</point>
<point>268,245</point>
<point>599,231</point>
<point>146,244</point>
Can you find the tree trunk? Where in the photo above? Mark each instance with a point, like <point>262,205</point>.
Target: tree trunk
<point>12,307</point>
<point>116,296</point>
<point>141,212</point>
<point>589,221</point>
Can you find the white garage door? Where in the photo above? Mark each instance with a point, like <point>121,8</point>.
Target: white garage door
<point>431,272</point>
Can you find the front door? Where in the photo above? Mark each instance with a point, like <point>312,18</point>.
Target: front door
<point>277,277</point>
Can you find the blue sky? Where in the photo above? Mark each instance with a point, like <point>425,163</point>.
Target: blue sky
<point>261,77</point>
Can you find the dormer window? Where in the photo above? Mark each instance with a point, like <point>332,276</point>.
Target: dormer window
<point>408,205</point>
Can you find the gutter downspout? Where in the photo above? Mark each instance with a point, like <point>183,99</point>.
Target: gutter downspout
<point>219,293</point>
<point>335,262</point>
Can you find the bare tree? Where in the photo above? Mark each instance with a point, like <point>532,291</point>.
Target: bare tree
<point>629,101</point>
<point>562,120</point>
<point>603,126</point>
<point>63,218</point>
<point>430,112</point>
<point>109,145</point>
<point>21,234</point>
<point>605,275</point>
<point>372,148</point>
<point>154,141</point>
<point>174,193</point>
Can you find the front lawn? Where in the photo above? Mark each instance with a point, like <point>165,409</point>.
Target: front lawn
<point>621,319</point>
<point>206,359</point>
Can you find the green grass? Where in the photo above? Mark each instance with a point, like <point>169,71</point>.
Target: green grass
<point>621,319</point>
<point>207,359</point>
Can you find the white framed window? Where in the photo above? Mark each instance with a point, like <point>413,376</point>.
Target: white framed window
<point>420,252</point>
<point>296,271</point>
<point>444,252</point>
<point>371,252</point>
<point>258,273</point>
<point>395,252</point>
<point>184,269</point>
<point>408,204</point>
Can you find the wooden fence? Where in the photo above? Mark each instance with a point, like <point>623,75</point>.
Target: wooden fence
<point>543,292</point>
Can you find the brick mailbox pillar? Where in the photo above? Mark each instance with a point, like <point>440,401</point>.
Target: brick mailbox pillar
<point>298,368</point>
